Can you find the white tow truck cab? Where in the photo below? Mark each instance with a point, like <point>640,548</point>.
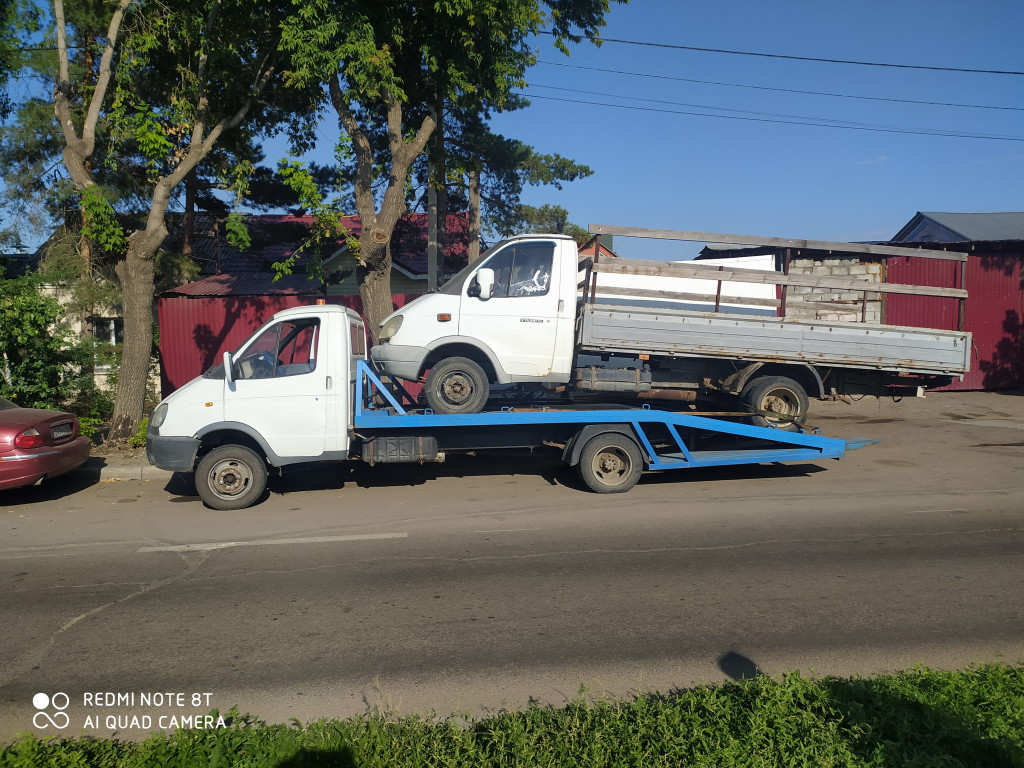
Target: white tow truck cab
<point>507,318</point>
<point>284,396</point>
<point>300,390</point>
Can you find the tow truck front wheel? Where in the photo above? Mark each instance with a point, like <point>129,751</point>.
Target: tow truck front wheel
<point>610,463</point>
<point>456,385</point>
<point>231,477</point>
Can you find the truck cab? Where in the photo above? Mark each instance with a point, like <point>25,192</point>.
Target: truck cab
<point>506,318</point>
<point>281,395</point>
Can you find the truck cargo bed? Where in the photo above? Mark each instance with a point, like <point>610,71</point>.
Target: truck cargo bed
<point>685,333</point>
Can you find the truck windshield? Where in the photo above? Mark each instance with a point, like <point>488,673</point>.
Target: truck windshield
<point>454,285</point>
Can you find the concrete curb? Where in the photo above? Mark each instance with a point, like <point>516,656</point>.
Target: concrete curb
<point>114,470</point>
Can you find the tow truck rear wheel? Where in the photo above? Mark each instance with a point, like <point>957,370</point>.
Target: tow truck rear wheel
<point>610,463</point>
<point>231,477</point>
<point>456,385</point>
<point>776,400</point>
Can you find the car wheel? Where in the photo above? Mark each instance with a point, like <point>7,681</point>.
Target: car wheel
<point>456,385</point>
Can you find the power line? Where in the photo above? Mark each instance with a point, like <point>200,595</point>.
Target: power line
<point>776,89</point>
<point>805,118</point>
<point>812,122</point>
<point>808,58</point>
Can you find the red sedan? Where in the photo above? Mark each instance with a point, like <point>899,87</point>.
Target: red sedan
<point>36,444</point>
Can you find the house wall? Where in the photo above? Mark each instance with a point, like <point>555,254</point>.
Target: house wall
<point>104,323</point>
<point>341,279</point>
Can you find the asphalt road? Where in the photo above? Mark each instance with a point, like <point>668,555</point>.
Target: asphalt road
<point>486,583</point>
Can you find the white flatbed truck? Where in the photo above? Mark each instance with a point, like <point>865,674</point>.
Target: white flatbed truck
<point>300,390</point>
<point>529,313</point>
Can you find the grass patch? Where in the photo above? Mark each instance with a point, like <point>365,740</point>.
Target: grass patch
<point>972,717</point>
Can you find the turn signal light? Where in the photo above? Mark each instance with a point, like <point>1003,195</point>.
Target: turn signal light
<point>30,438</point>
<point>444,317</point>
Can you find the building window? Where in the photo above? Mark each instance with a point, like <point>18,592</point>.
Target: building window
<point>108,329</point>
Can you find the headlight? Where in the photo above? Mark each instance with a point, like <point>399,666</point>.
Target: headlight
<point>158,416</point>
<point>390,327</point>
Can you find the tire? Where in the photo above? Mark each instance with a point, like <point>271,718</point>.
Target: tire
<point>610,463</point>
<point>456,385</point>
<point>776,400</point>
<point>231,477</point>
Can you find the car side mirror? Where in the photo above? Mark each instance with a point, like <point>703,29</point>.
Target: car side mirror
<point>229,375</point>
<point>485,282</point>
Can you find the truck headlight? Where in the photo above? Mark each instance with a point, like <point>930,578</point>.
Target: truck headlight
<point>158,416</point>
<point>390,327</point>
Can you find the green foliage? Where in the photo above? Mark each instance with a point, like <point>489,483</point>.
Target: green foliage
<point>236,233</point>
<point>100,222</point>
<point>42,364</point>
<point>172,269</point>
<point>972,718</point>
<point>138,440</point>
<point>89,425</point>
<point>550,218</point>
<point>327,228</point>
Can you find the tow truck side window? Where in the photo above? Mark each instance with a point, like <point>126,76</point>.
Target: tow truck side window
<point>284,349</point>
<point>523,269</point>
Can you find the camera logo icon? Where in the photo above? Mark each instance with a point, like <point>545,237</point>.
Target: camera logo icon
<point>42,718</point>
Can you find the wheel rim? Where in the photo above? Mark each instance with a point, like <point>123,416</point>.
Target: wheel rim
<point>780,405</point>
<point>611,465</point>
<point>457,388</point>
<point>230,478</point>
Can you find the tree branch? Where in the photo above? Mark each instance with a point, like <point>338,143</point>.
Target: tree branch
<point>360,144</point>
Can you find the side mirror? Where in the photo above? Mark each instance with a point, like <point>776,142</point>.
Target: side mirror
<point>229,375</point>
<point>485,282</point>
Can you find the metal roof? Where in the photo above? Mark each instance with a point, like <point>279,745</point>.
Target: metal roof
<point>946,227</point>
<point>248,284</point>
<point>276,237</point>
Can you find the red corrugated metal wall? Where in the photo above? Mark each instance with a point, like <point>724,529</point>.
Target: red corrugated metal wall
<point>995,308</point>
<point>196,331</point>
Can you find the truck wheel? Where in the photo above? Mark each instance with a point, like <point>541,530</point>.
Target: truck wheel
<point>610,463</point>
<point>456,385</point>
<point>231,477</point>
<point>776,400</point>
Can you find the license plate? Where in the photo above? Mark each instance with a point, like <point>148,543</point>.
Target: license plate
<point>61,431</point>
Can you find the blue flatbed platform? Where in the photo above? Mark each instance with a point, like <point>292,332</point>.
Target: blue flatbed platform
<point>668,439</point>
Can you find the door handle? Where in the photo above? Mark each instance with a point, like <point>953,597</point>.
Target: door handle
<point>330,382</point>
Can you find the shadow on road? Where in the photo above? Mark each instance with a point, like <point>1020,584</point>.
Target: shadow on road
<point>56,488</point>
<point>544,464</point>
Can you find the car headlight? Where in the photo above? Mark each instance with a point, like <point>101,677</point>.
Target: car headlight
<point>390,327</point>
<point>158,416</point>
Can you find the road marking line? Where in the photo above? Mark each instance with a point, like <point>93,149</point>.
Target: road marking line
<point>508,530</point>
<point>211,545</point>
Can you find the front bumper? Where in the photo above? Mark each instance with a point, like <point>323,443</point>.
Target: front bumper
<point>398,360</point>
<point>175,454</point>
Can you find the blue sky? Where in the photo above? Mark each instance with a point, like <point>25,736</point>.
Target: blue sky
<point>656,168</point>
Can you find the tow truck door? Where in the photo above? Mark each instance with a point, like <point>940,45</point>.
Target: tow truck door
<point>519,320</point>
<point>281,387</point>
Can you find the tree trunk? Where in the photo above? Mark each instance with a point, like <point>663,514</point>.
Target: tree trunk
<point>374,277</point>
<point>136,276</point>
<point>188,220</point>
<point>474,216</point>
